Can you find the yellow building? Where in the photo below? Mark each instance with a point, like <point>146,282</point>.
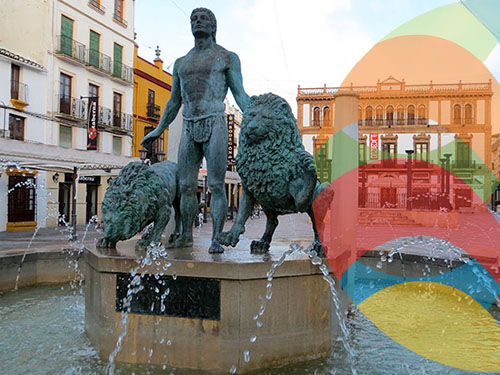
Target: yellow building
<point>152,89</point>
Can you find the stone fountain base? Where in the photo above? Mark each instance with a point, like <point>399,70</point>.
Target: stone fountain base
<point>207,319</point>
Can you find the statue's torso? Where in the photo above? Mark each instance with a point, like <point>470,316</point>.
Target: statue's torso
<point>203,81</point>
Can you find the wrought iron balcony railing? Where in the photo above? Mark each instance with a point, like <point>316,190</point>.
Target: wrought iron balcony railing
<point>123,71</point>
<point>99,61</point>
<point>97,4</point>
<point>118,17</point>
<point>71,48</point>
<point>70,106</point>
<point>19,91</point>
<point>153,111</point>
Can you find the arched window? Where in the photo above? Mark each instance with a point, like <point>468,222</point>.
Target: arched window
<point>422,120</point>
<point>368,115</point>
<point>390,115</point>
<point>457,114</point>
<point>411,115</point>
<point>316,116</point>
<point>468,114</point>
<point>401,115</point>
<point>360,116</point>
<point>326,115</point>
<point>379,115</point>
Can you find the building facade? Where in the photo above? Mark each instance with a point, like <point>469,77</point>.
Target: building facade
<point>152,90</point>
<point>72,52</point>
<point>439,125</point>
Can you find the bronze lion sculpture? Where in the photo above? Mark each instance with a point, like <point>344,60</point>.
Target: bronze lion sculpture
<point>138,196</point>
<point>276,171</point>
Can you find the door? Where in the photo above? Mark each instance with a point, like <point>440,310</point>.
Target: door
<point>66,36</point>
<point>16,127</point>
<point>64,202</point>
<point>94,49</point>
<point>388,197</point>
<point>91,201</point>
<point>22,199</point>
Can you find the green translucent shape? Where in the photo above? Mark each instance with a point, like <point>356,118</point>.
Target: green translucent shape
<point>486,11</point>
<point>452,22</point>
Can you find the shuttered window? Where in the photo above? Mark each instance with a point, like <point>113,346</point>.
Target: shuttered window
<point>66,36</point>
<point>94,43</point>
<point>117,60</point>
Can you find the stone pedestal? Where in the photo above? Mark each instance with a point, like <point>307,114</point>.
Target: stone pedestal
<point>213,301</point>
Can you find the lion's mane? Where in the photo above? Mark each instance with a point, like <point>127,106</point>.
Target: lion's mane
<point>131,201</point>
<point>267,167</point>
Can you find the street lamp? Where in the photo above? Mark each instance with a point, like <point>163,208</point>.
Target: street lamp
<point>408,181</point>
<point>160,156</point>
<point>143,153</point>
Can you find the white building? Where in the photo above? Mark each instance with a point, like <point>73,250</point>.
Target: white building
<point>67,51</point>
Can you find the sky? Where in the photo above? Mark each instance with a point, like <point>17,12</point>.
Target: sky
<point>281,43</point>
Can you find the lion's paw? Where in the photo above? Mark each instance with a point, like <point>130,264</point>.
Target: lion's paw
<point>259,247</point>
<point>103,243</point>
<point>230,238</point>
<point>215,248</point>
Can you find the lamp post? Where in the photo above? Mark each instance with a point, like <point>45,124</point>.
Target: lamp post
<point>443,171</point>
<point>143,153</point>
<point>408,181</point>
<point>74,235</point>
<point>447,182</point>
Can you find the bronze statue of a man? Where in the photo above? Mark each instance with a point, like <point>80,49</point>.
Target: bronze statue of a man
<point>200,81</point>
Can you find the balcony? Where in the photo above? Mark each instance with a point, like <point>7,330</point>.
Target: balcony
<point>392,122</point>
<point>122,120</point>
<point>119,18</point>
<point>153,111</point>
<point>464,164</point>
<point>99,61</point>
<point>123,72</point>
<point>71,48</point>
<point>68,106</point>
<point>19,94</point>
<point>96,4</point>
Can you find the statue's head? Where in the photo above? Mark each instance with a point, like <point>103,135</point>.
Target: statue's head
<point>203,22</point>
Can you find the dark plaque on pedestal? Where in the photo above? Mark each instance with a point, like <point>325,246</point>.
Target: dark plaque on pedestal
<point>186,297</point>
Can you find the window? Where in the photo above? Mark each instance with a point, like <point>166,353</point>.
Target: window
<point>463,154</point>
<point>117,109</point>
<point>390,115</point>
<point>117,60</point>
<point>95,3</point>
<point>316,116</point>
<point>94,43</point>
<point>421,152</point>
<point>65,136</point>
<point>422,120</point>
<point>14,81</point>
<point>66,45</point>
<point>379,116</point>
<point>117,145</point>
<point>119,10</point>
<point>362,153</point>
<point>457,114</point>
<point>411,115</point>
<point>401,115</point>
<point>94,91</point>
<point>368,116</point>
<point>468,114</point>
<point>16,127</point>
<point>326,115</point>
<point>389,150</point>
<point>65,94</point>
<point>151,96</point>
